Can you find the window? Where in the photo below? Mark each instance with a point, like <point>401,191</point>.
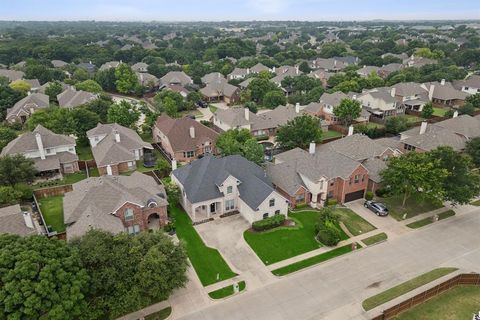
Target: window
<point>272,202</point>
<point>229,205</point>
<point>135,229</point>
<point>277,212</point>
<point>189,154</point>
<point>408,147</point>
<point>300,197</point>
<point>330,193</point>
<point>207,149</point>
<point>229,189</point>
<point>357,178</point>
<point>128,214</point>
<point>265,215</point>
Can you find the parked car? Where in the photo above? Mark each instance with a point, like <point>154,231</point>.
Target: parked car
<point>376,207</point>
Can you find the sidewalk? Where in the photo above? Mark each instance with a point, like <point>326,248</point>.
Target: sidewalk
<point>146,311</point>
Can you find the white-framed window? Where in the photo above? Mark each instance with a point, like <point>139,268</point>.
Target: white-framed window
<point>207,149</point>
<point>229,204</point>
<point>357,178</point>
<point>271,203</point>
<point>189,154</point>
<point>229,189</point>
<point>128,214</point>
<point>135,229</point>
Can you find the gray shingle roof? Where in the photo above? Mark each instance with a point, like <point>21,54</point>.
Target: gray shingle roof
<point>357,146</point>
<point>12,75</point>
<point>445,91</point>
<point>34,100</point>
<point>72,98</point>
<point>275,118</point>
<point>176,77</point>
<point>202,177</point>
<point>434,136</point>
<point>218,87</point>
<point>206,79</point>
<point>13,222</point>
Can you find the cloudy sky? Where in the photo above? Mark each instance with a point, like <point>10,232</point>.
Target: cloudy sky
<point>186,10</point>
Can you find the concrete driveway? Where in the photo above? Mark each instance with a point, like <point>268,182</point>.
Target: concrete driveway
<point>389,225</point>
<point>226,235</point>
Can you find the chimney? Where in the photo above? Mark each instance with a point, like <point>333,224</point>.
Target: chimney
<point>121,61</point>
<point>311,148</point>
<point>442,82</point>
<point>248,70</point>
<point>273,69</point>
<point>430,92</point>
<point>350,130</point>
<point>192,132</point>
<point>90,62</point>
<point>297,71</point>
<point>455,114</point>
<point>334,63</point>
<point>423,127</point>
<point>38,138</point>
<point>393,91</point>
<point>247,114</point>
<point>174,164</point>
<point>354,97</point>
<point>297,107</point>
<point>117,136</point>
<point>28,220</point>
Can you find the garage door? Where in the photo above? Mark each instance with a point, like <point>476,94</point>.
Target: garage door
<point>354,195</point>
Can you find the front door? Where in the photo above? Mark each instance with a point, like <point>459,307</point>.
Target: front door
<point>213,208</point>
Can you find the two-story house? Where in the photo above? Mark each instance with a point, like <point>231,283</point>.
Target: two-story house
<point>24,108</point>
<point>212,187</point>
<point>380,103</point>
<point>52,154</point>
<point>116,148</point>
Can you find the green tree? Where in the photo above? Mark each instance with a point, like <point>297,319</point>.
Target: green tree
<point>462,183</point>
<point>241,142</point>
<point>170,107</point>
<point>347,86</point>
<point>252,106</point>
<point>467,108</point>
<point>15,169</point>
<point>347,111</point>
<point>274,99</point>
<point>84,120</point>
<point>304,67</point>
<point>8,97</point>
<point>6,135</point>
<point>259,87</point>
<point>53,90</point>
<point>80,74</point>
<point>173,192</point>
<point>427,111</point>
<point>395,125</point>
<point>415,174</point>
<point>106,79</point>
<point>100,106</point>
<point>8,196</point>
<point>124,114</point>
<point>299,132</point>
<point>21,85</point>
<point>472,148</point>
<point>89,85</point>
<point>126,78</point>
<point>41,278</point>
<point>474,100</point>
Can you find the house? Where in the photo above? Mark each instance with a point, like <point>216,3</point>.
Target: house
<point>34,84</point>
<point>147,80</point>
<point>244,84</point>
<point>184,139</point>
<point>176,77</point>
<point>238,73</point>
<point>471,85</point>
<point>365,71</point>
<point>44,87</point>
<point>211,77</point>
<point>444,94</point>
<point>259,68</point>
<point>220,90</point>
<point>321,75</point>
<point>284,71</point>
<point>330,65</point>
<point>411,94</point>
<point>59,63</point>
<point>116,148</point>
<point>214,187</point>
<point>177,88</point>
<point>417,62</point>
<point>348,60</point>
<point>380,103</point>
<point>24,108</point>
<point>140,67</point>
<point>71,98</point>
<point>88,66</point>
<point>15,221</point>
<point>328,102</point>
<point>115,204</point>
<point>109,65</point>
<point>388,69</point>
<point>12,75</point>
<point>453,132</point>
<point>52,153</point>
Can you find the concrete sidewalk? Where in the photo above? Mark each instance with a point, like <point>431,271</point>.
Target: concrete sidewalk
<point>140,314</point>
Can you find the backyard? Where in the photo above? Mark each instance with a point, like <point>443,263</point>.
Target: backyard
<point>67,179</point>
<point>207,262</point>
<point>330,134</point>
<point>84,152</point>
<point>285,242</point>
<point>52,211</point>
<point>413,206</point>
<point>439,112</point>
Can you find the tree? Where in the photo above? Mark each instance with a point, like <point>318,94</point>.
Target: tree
<point>299,132</point>
<point>161,97</point>
<point>173,192</point>
<point>15,169</point>
<point>252,106</point>
<point>304,67</point>
<point>427,111</point>
<point>100,106</point>
<point>126,78</point>
<point>474,100</point>
<point>472,148</point>
<point>21,85</point>
<point>89,85</point>
<point>129,272</point>
<point>347,111</point>
<point>8,195</point>
<point>241,142</point>
<point>461,184</point>
<point>124,114</point>
<point>259,87</point>
<point>6,135</point>
<point>415,173</point>
<point>8,97</point>
<point>53,90</point>
<point>467,108</point>
<point>41,278</point>
<point>347,86</point>
<point>395,125</point>
<point>84,120</point>
<point>106,79</point>
<point>170,107</point>
<point>80,74</point>
<point>274,99</point>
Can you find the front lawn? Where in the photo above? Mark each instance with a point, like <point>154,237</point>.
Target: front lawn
<point>375,239</point>
<point>412,207</point>
<point>207,262</point>
<point>354,223</point>
<point>52,211</point>
<point>405,287</point>
<point>299,265</point>
<point>455,304</point>
<point>285,242</point>
<point>427,221</point>
<point>226,291</point>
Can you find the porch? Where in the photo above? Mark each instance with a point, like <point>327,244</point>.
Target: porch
<point>206,211</point>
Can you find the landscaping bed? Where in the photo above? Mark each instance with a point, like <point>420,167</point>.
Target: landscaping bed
<point>69,178</point>
<point>413,207</point>
<point>226,291</point>
<point>405,287</point>
<point>207,262</point>
<point>160,315</point>
<point>375,239</point>
<point>313,260</point>
<point>457,303</point>
<point>52,212</point>
<point>429,220</point>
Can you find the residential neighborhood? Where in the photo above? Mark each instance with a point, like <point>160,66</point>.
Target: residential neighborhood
<point>272,165</point>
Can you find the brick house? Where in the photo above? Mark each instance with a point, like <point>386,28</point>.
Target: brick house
<point>116,204</point>
<point>184,139</point>
<point>444,94</point>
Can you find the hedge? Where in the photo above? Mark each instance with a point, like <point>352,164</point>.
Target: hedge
<point>269,223</point>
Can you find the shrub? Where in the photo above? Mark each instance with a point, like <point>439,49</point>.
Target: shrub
<point>269,223</point>
<point>301,206</point>
<point>332,202</point>
<point>381,192</point>
<point>369,195</point>
<point>328,234</point>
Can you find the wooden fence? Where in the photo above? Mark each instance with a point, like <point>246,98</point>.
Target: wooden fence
<point>461,279</point>
<point>82,164</point>
<point>52,191</point>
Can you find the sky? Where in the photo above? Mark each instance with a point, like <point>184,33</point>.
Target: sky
<point>218,10</point>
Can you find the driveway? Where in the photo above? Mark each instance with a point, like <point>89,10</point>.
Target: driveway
<point>389,225</point>
<point>226,235</point>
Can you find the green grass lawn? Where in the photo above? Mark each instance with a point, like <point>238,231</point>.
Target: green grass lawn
<point>93,172</point>
<point>285,242</point>
<point>330,134</point>
<point>226,291</point>
<point>313,260</point>
<point>52,211</point>
<point>206,261</point>
<point>212,108</point>
<point>67,179</point>
<point>354,223</point>
<point>372,125</point>
<point>427,221</point>
<point>439,112</point>
<point>412,119</point>
<point>455,304</point>
<point>375,239</point>
<point>147,137</point>
<point>412,208</point>
<point>405,287</point>
<point>160,315</point>
<point>84,152</point>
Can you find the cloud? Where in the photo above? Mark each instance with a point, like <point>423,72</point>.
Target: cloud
<point>270,6</point>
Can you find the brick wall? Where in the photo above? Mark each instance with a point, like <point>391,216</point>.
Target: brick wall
<point>141,215</point>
